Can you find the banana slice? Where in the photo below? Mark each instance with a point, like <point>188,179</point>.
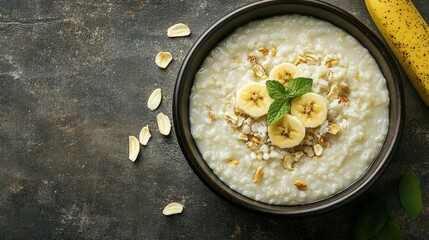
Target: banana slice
<point>286,132</point>
<point>253,99</point>
<point>284,73</point>
<point>311,109</point>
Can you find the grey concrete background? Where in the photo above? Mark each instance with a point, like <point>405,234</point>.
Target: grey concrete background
<point>74,80</point>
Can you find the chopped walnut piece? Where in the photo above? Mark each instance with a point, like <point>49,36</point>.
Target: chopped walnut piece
<point>255,140</point>
<point>318,149</point>
<point>309,151</point>
<point>333,128</point>
<point>344,100</point>
<point>288,162</point>
<point>298,155</point>
<point>258,174</point>
<point>300,185</point>
<point>264,51</point>
<point>345,89</point>
<point>252,58</point>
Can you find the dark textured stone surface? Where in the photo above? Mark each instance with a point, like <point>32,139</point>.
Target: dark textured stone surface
<point>74,80</point>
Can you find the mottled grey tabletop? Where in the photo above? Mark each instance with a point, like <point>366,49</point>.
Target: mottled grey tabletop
<point>75,77</point>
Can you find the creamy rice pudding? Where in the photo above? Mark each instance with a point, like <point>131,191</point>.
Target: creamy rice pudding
<point>257,160</point>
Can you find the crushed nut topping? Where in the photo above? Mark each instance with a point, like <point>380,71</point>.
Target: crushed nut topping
<point>332,62</point>
<point>252,58</point>
<point>344,100</point>
<point>318,149</point>
<point>212,116</point>
<point>333,128</point>
<point>264,51</point>
<point>259,71</point>
<point>300,185</point>
<point>288,162</point>
<point>273,51</point>
<point>234,161</point>
<point>258,174</point>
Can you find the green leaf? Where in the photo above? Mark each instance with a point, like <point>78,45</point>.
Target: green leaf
<point>298,87</point>
<point>370,220</point>
<point>410,195</point>
<point>390,231</point>
<point>278,108</point>
<point>275,89</point>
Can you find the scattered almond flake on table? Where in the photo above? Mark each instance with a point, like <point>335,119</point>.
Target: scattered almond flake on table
<point>154,99</point>
<point>164,124</point>
<point>163,59</point>
<point>172,208</point>
<point>134,148</point>
<point>144,135</point>
<point>178,30</point>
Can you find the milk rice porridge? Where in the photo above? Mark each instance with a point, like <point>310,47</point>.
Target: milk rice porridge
<point>275,166</point>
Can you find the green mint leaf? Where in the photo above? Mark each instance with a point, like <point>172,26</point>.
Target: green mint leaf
<point>410,195</point>
<point>275,89</point>
<point>278,108</point>
<point>370,220</point>
<point>390,231</point>
<point>298,87</point>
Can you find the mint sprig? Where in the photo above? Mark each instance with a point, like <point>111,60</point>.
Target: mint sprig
<point>282,96</point>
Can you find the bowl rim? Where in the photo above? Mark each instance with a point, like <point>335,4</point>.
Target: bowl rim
<point>244,15</point>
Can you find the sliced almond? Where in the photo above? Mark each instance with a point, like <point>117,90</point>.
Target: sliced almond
<point>333,128</point>
<point>301,185</point>
<point>243,136</point>
<point>172,208</point>
<point>134,148</point>
<point>144,135</point>
<point>258,174</point>
<point>178,30</point>
<point>259,71</point>
<point>154,99</point>
<point>163,59</point>
<point>164,124</point>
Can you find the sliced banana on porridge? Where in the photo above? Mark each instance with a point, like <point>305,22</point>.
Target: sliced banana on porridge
<point>284,73</point>
<point>253,99</point>
<point>311,109</point>
<point>286,132</point>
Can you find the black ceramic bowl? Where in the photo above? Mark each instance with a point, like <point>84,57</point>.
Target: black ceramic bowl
<point>265,9</point>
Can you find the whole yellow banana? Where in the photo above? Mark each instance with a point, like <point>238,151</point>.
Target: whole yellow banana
<point>407,34</point>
